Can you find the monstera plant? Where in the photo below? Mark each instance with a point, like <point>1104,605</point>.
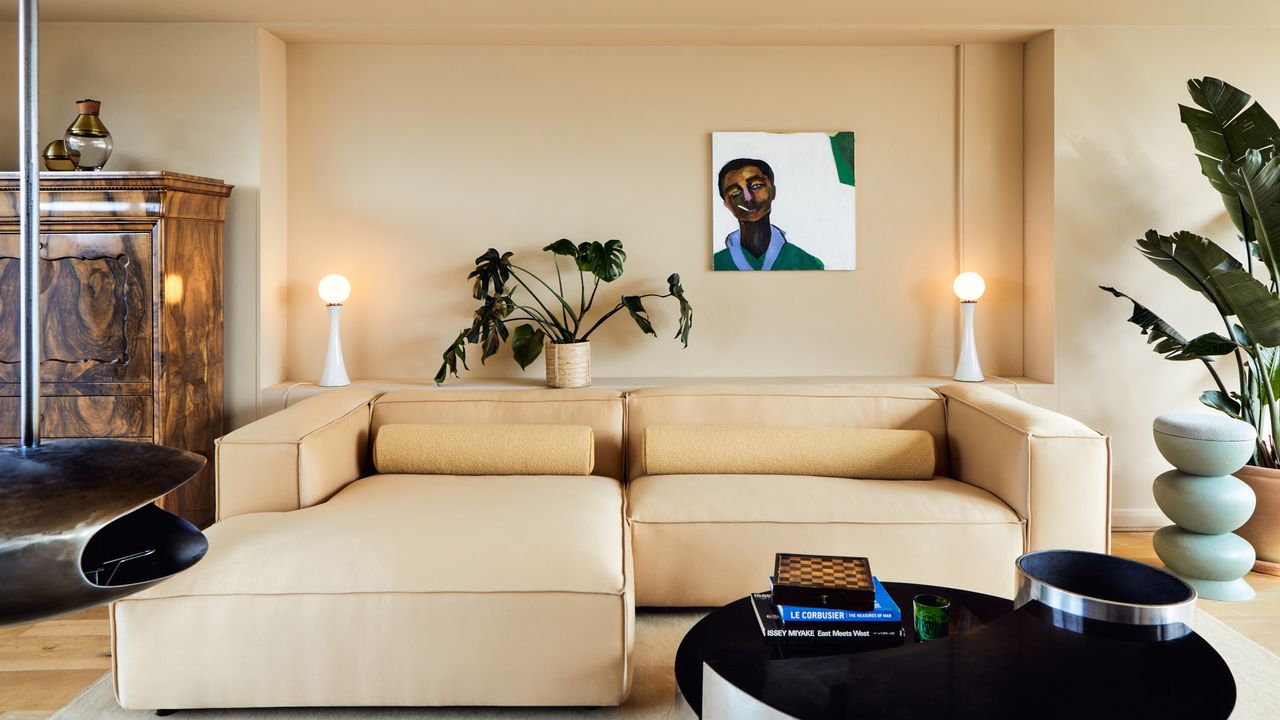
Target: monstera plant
<point>1236,143</point>
<point>511,294</point>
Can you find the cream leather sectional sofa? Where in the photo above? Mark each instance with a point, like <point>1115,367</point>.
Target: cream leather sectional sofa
<point>328,584</point>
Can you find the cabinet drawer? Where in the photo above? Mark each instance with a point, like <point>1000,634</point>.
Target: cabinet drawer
<point>83,417</point>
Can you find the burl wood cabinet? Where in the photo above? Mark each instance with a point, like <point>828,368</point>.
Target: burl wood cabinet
<point>131,305</point>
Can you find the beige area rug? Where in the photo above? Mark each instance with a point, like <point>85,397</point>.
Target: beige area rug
<point>1257,674</point>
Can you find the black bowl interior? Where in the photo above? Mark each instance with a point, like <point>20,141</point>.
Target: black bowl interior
<point>1104,577</point>
<point>144,545</point>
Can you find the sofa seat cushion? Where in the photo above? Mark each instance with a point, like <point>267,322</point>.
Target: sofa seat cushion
<point>400,590</point>
<point>424,533</point>
<point>702,540</point>
<point>810,499</point>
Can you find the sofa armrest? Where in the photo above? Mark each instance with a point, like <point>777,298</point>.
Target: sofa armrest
<point>294,458</point>
<point>1054,471</point>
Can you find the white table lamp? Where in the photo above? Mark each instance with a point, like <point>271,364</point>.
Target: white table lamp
<point>968,286</point>
<point>334,290</point>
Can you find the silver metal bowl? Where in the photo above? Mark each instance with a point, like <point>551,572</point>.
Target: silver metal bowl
<point>1093,586</point>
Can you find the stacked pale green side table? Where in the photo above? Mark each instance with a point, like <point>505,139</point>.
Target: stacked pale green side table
<point>1205,502</point>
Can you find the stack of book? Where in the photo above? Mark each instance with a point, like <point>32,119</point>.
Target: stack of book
<point>817,599</point>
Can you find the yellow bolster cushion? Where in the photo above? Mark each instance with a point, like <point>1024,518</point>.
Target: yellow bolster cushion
<point>753,450</point>
<point>485,449</point>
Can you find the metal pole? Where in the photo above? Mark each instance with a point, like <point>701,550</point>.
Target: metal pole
<point>29,199</point>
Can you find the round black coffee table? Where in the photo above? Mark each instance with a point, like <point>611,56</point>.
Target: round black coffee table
<point>995,663</point>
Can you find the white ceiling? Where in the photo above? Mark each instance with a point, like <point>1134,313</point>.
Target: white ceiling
<point>731,13</point>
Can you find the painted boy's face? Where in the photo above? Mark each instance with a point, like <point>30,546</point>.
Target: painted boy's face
<point>748,193</point>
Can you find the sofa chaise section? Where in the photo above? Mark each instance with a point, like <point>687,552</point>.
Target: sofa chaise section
<point>392,589</point>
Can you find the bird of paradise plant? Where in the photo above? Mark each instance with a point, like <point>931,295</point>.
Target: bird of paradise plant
<point>1237,148</point>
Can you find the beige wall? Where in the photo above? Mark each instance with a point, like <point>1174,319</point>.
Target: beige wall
<point>1039,325</point>
<point>273,210</point>
<point>1125,164</point>
<point>398,164</point>
<point>990,197</point>
<point>182,97</point>
<point>406,162</point>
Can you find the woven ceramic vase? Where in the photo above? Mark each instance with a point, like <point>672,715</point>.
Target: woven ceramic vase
<point>568,364</point>
<point>1205,502</point>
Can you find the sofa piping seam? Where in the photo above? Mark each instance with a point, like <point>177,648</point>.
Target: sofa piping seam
<point>1096,435</point>
<point>360,593</point>
<point>936,398</point>
<point>298,441</point>
<point>1019,521</point>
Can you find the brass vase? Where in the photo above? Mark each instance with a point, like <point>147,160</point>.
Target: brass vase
<point>87,139</point>
<point>56,158</point>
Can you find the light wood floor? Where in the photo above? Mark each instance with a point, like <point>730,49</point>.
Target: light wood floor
<point>45,665</point>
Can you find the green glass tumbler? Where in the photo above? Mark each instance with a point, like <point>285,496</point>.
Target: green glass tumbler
<point>933,616</point>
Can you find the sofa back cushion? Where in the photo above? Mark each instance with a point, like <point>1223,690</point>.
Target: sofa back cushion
<point>600,410</point>
<point>867,453</point>
<point>849,406</point>
<point>484,449</point>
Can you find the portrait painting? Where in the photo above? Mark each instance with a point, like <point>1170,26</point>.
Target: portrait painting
<point>782,201</point>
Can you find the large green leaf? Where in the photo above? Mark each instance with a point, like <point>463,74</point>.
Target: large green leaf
<point>526,344</point>
<point>604,260</point>
<point>1219,400</point>
<point>1252,303</point>
<point>487,327</point>
<point>492,270</point>
<point>1269,359</point>
<point>1208,345</point>
<point>1224,129</point>
<point>634,306</point>
<point>1257,182</point>
<point>455,353</point>
<point>563,246</point>
<point>1227,124</point>
<point>584,256</point>
<point>1191,259</point>
<point>686,310</point>
<point>1169,342</point>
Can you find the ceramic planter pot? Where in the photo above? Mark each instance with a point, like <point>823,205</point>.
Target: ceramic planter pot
<point>1263,529</point>
<point>568,364</point>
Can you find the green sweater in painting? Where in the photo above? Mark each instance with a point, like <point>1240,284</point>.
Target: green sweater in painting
<point>791,257</point>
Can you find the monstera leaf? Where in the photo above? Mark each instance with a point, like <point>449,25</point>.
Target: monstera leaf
<point>492,270</point>
<point>1169,342</point>
<point>1225,128</point>
<point>526,344</point>
<point>1256,180</point>
<point>604,260</point>
<point>634,306</point>
<point>563,246</point>
<point>454,354</point>
<point>686,310</point>
<point>487,326</point>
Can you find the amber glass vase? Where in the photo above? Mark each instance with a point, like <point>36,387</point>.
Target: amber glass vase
<point>87,140</point>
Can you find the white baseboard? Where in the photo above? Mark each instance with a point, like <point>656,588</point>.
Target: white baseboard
<point>1137,519</point>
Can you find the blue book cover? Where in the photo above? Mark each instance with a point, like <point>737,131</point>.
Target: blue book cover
<point>886,610</point>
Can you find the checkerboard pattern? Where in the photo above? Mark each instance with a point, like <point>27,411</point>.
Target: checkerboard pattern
<point>823,571</point>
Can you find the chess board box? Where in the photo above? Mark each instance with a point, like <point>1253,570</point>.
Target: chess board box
<point>823,581</point>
